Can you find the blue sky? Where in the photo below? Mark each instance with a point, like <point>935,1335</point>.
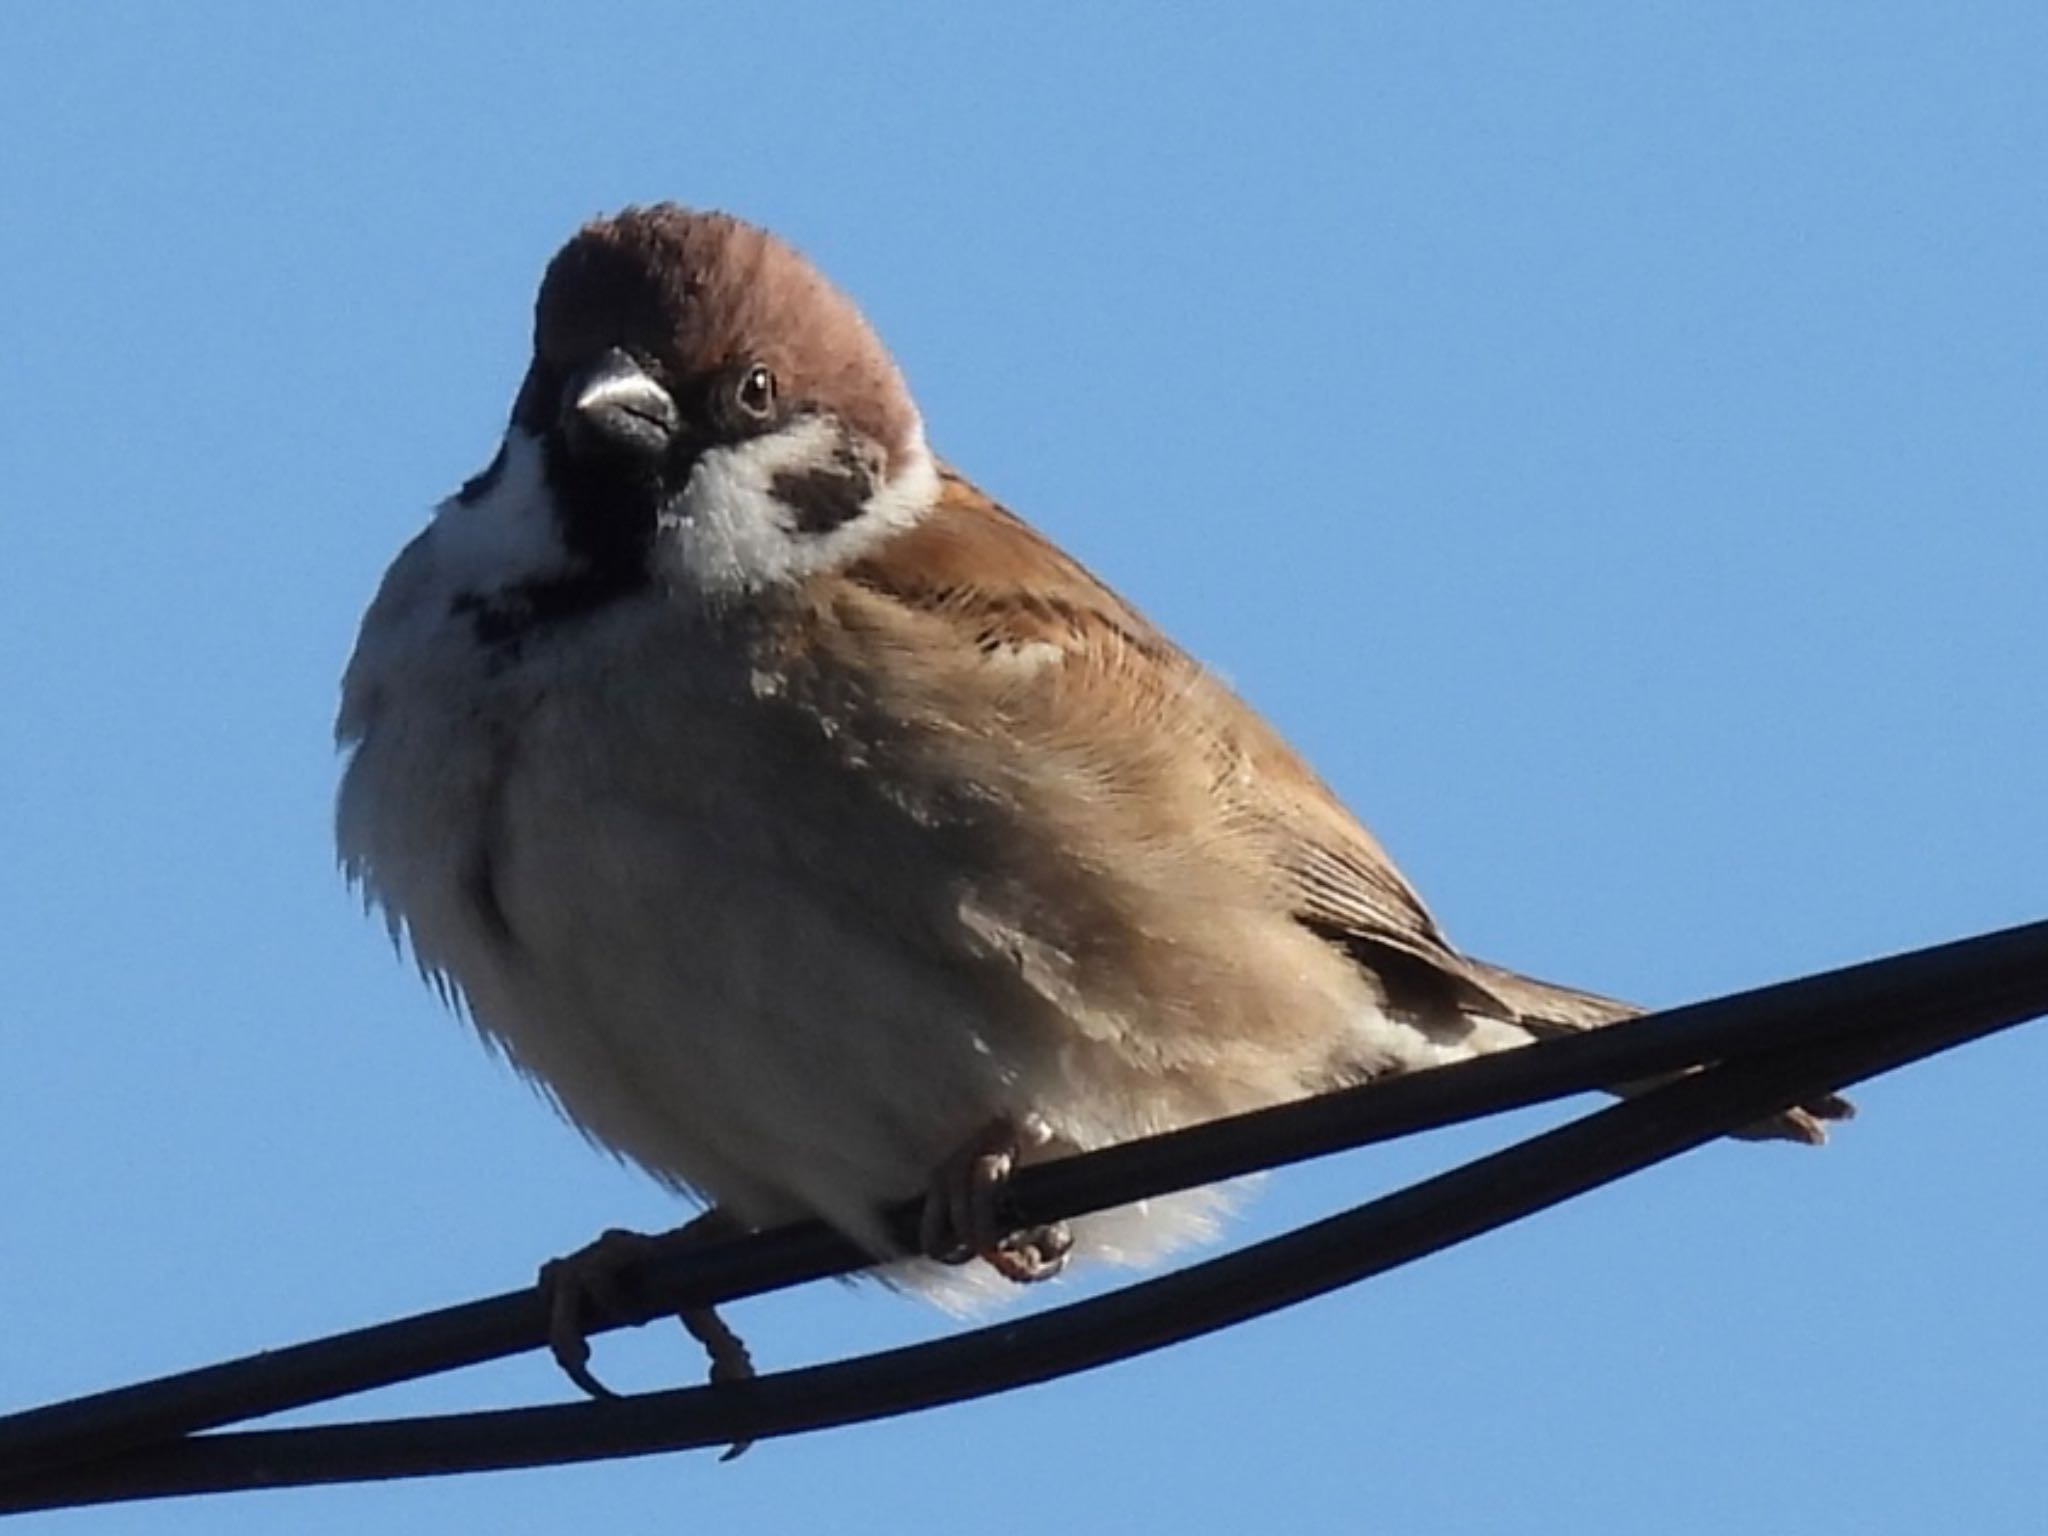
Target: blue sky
<point>1608,440</point>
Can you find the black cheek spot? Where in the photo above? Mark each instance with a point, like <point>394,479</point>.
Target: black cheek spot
<point>825,498</point>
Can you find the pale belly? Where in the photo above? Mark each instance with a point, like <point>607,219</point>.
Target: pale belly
<point>757,976</point>
<point>750,979</point>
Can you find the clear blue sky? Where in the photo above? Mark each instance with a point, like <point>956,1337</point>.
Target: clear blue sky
<point>1609,439</point>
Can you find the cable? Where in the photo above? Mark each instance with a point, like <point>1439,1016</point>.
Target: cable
<point>1393,1230</point>
<point>2002,976</point>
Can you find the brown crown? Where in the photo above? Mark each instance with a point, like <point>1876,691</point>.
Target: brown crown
<point>705,291</point>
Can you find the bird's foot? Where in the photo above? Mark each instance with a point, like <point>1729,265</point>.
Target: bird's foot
<point>963,1214</point>
<point>584,1287</point>
<point>1806,1122</point>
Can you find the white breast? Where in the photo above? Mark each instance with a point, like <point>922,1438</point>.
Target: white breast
<point>750,979</point>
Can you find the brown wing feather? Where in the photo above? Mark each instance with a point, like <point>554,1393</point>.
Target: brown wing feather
<point>974,566</point>
<point>984,569</point>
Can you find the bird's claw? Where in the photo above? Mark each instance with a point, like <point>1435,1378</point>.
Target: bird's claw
<point>583,1287</point>
<point>963,1217</point>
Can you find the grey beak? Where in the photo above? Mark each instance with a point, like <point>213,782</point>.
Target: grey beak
<point>614,407</point>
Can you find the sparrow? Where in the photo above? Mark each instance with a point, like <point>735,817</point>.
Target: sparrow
<point>813,832</point>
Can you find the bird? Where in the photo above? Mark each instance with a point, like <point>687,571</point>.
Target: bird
<point>815,833</point>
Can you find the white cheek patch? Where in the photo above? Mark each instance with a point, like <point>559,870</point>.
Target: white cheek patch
<point>729,533</point>
<point>508,533</point>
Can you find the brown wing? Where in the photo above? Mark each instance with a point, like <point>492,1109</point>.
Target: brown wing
<point>1190,750</point>
<point>982,570</point>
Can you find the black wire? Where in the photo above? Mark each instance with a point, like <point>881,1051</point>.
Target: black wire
<point>2008,969</point>
<point>1388,1232</point>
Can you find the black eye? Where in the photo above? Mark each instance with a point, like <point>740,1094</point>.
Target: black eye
<point>756,392</point>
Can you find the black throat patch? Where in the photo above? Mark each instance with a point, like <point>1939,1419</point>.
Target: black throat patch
<point>608,529</point>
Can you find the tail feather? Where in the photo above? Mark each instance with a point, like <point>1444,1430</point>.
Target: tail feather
<point>1546,1009</point>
